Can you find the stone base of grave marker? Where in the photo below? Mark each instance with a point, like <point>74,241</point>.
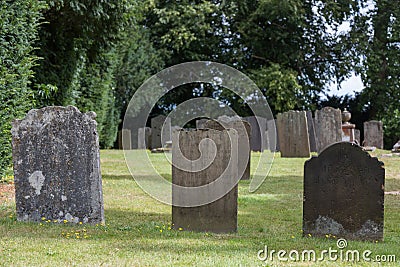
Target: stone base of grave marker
<point>344,194</point>
<point>57,166</point>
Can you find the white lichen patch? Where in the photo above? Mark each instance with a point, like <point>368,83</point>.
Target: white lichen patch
<point>36,180</point>
<point>369,227</point>
<point>328,225</point>
<point>71,218</point>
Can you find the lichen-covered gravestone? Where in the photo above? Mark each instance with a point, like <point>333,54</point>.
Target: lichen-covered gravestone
<point>293,134</point>
<point>57,166</point>
<point>344,194</point>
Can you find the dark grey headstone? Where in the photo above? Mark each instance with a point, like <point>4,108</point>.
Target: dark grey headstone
<point>220,215</point>
<point>373,134</point>
<point>160,125</point>
<point>243,129</point>
<point>344,194</point>
<point>293,134</point>
<point>258,127</point>
<point>57,166</point>
<point>311,131</point>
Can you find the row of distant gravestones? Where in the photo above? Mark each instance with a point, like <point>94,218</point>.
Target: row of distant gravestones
<point>57,176</point>
<point>297,132</point>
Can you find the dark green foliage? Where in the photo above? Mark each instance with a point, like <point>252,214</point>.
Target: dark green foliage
<point>79,50</point>
<point>18,31</point>
<point>375,38</point>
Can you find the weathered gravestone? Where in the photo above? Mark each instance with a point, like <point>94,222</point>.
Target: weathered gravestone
<point>124,139</point>
<point>328,127</point>
<point>311,131</point>
<point>344,194</point>
<point>144,138</point>
<point>217,216</point>
<point>57,166</point>
<point>258,127</point>
<point>200,123</point>
<point>373,134</point>
<point>243,129</point>
<point>357,136</point>
<point>293,134</point>
<point>272,136</point>
<point>160,125</point>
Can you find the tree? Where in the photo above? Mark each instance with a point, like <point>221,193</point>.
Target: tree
<point>18,32</point>
<point>376,41</point>
<point>287,40</point>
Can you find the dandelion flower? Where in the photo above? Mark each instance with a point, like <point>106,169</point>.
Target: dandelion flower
<point>180,229</point>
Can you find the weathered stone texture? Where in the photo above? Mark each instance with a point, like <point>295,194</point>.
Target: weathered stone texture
<point>57,166</point>
<point>217,216</point>
<point>373,134</point>
<point>243,129</point>
<point>328,127</point>
<point>344,194</point>
<point>293,134</point>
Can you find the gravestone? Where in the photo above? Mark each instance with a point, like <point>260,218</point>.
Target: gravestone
<point>311,131</point>
<point>344,194</point>
<point>217,216</point>
<point>328,127</point>
<point>124,139</point>
<point>293,134</point>
<point>258,127</point>
<point>272,136</point>
<point>373,134</point>
<point>144,138</point>
<point>357,136</point>
<point>200,123</point>
<point>157,124</point>
<point>243,129</point>
<point>396,147</point>
<point>57,166</point>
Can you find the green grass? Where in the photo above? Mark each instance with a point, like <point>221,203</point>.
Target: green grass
<point>131,237</point>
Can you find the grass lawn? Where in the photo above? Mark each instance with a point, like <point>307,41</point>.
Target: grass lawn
<point>137,230</point>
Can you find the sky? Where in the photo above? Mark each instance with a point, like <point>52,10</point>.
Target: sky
<point>349,86</point>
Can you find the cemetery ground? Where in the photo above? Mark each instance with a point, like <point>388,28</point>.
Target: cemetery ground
<point>138,232</point>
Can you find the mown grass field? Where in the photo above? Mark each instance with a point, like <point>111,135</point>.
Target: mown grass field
<point>137,230</point>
